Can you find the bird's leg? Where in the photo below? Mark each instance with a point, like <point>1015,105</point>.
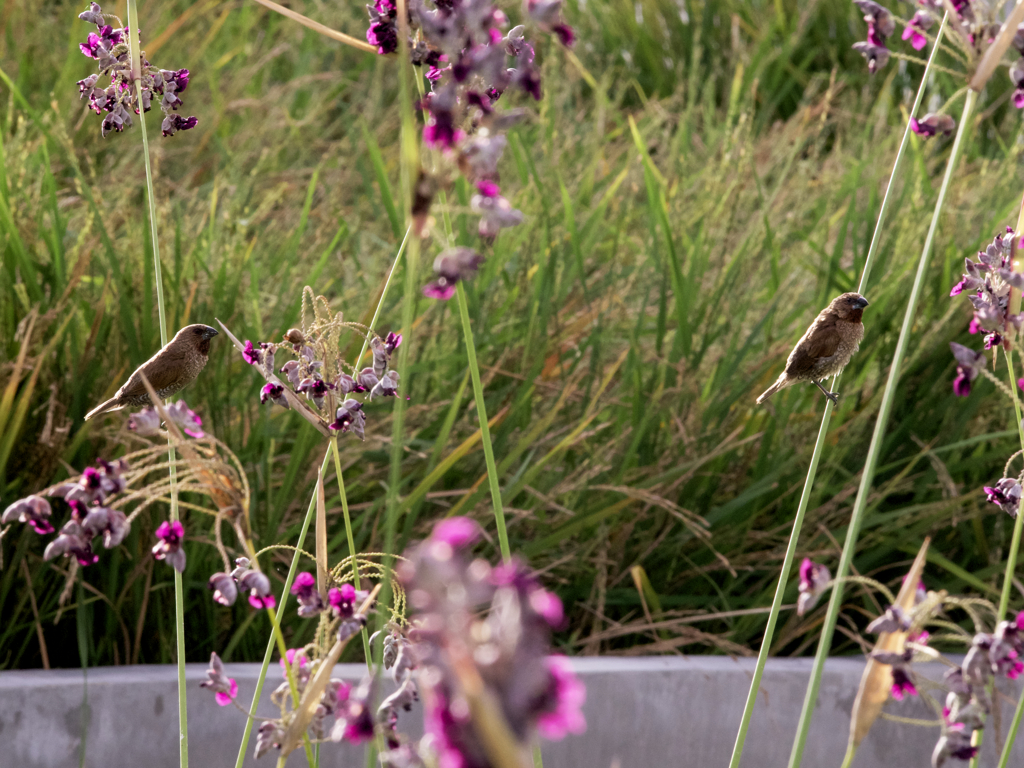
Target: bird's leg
<point>833,396</point>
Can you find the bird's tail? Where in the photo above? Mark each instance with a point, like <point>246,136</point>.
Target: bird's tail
<point>780,383</point>
<point>105,407</point>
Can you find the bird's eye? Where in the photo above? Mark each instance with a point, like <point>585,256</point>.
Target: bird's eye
<point>197,331</point>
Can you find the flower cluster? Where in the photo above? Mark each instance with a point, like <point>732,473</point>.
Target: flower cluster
<point>110,47</point>
<point>341,602</point>
<point>968,702</point>
<point>470,62</point>
<point>316,382</point>
<point>814,580</point>
<point>489,623</point>
<point>880,26</point>
<point>147,421</point>
<point>987,284</point>
<point>225,586</point>
<point>90,516</point>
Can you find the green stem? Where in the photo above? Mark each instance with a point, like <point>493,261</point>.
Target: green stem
<point>179,596</point>
<point>383,293</point>
<point>478,396</point>
<point>1011,560</point>
<point>351,540</point>
<point>875,448</point>
<point>485,430</point>
<point>1011,566</point>
<point>292,570</point>
<point>289,673</point>
<point>787,563</point>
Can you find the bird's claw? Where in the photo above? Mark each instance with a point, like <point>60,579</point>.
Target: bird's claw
<point>834,397</point>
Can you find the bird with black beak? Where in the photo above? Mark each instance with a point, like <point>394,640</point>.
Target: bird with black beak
<point>826,348</point>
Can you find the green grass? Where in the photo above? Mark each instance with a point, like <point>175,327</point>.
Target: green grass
<point>623,330</point>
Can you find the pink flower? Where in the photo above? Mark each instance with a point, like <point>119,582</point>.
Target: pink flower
<point>456,532</point>
<point>226,697</point>
<point>567,696</point>
<point>548,606</point>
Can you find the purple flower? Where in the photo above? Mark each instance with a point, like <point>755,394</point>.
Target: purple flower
<point>496,213</point>
<point>223,587</point>
<point>94,15</point>
<point>392,341</point>
<point>901,683</point>
<point>314,388</point>
<point>814,579</point>
<point>1017,76</point>
<point>915,29</point>
<point>969,363</point>
<point>1005,494</point>
<point>456,532</point>
<point>350,417</point>
<point>954,743</point>
<point>342,601</point>
<point>305,591</point>
<point>383,31</point>
<point>250,354</point>
<point>174,122</point>
<point>894,619</point>
<point>450,267</point>
<point>33,510</point>
<point>366,380</point>
<point>225,688</point>
<point>273,392</point>
<point>259,588</point>
<point>144,423</point>
<point>548,16</point>
<point>355,716</point>
<point>186,418</point>
<point>563,711</point>
<point>72,541</point>
<point>877,56</point>
<point>932,124</point>
<point>269,734</point>
<point>386,387</point>
<point>170,533</point>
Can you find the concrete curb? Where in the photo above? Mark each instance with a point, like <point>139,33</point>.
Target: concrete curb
<point>641,712</point>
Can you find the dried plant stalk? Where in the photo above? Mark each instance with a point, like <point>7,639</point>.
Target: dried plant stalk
<point>877,680</point>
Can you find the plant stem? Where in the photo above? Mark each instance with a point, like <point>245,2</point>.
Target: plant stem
<point>485,430</point>
<point>179,597</point>
<point>290,675</point>
<point>875,448</point>
<point>351,540</point>
<point>478,396</point>
<point>281,606</point>
<point>787,563</point>
<point>1011,562</point>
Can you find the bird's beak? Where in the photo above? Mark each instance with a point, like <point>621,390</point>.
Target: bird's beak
<point>211,332</point>
<point>861,303</point>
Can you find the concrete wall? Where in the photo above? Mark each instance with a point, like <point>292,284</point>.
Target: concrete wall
<point>642,713</point>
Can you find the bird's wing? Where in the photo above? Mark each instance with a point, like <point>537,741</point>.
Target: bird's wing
<point>162,370</point>
<point>821,340</point>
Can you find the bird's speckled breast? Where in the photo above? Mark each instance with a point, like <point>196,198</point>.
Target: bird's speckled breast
<point>850,337</point>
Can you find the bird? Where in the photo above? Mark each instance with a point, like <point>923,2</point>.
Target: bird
<point>169,371</point>
<point>826,347</point>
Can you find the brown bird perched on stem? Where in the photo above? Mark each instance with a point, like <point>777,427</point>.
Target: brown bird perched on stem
<point>169,371</point>
<point>827,346</point>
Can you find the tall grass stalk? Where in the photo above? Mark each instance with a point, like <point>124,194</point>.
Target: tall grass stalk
<point>478,396</point>
<point>874,449</point>
<point>271,643</point>
<point>1011,561</point>
<point>787,563</point>
<point>179,598</point>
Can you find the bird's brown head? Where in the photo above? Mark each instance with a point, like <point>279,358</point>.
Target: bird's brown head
<point>849,307</point>
<point>198,336</point>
